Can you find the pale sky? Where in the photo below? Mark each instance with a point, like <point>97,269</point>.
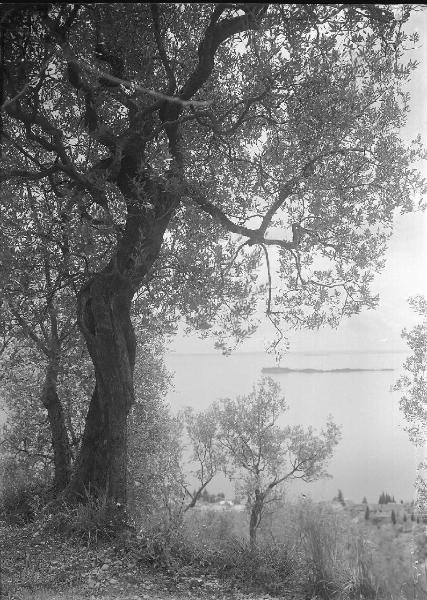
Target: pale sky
<point>404,275</point>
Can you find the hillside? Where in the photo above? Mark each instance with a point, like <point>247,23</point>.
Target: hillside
<point>320,551</point>
<point>41,565</point>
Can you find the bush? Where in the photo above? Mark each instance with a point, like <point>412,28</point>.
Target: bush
<point>20,505</point>
<point>22,495</point>
<point>270,566</point>
<point>90,522</point>
<point>206,542</point>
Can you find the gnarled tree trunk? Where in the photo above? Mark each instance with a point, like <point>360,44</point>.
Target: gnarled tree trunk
<point>104,307</point>
<point>104,318</point>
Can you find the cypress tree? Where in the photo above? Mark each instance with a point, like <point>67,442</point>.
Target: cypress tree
<point>340,498</point>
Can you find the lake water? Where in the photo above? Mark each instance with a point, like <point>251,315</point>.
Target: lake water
<point>374,454</point>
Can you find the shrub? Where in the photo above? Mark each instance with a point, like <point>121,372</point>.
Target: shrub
<point>22,494</point>
<point>269,566</point>
<point>90,522</point>
<point>206,542</point>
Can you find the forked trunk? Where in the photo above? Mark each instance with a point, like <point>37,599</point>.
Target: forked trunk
<point>60,441</point>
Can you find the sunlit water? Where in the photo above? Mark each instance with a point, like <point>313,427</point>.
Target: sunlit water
<point>374,454</point>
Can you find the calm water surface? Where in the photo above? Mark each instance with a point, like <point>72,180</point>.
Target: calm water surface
<point>375,453</point>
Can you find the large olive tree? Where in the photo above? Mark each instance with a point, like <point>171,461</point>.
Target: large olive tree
<point>188,141</point>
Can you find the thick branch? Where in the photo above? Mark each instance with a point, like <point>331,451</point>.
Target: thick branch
<point>256,236</point>
<point>33,175</point>
<point>216,33</point>
<point>286,190</point>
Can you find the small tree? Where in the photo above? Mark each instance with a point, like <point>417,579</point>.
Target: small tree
<point>385,498</point>
<point>367,512</point>
<point>340,498</point>
<point>393,517</point>
<point>405,518</point>
<point>264,455</point>
<point>207,455</point>
<point>364,501</point>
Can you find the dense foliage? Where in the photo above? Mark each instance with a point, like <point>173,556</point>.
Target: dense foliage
<point>413,386</point>
<point>413,383</point>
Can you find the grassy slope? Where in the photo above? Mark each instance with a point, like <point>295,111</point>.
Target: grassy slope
<point>44,566</point>
<point>41,563</point>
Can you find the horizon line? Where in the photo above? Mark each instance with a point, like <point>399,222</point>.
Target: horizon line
<point>305,352</point>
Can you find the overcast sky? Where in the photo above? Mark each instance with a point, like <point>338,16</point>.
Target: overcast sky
<point>405,273</point>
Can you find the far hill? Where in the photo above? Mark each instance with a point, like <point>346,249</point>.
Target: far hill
<point>346,370</point>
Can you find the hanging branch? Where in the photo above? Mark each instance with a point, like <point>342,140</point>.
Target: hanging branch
<point>269,312</point>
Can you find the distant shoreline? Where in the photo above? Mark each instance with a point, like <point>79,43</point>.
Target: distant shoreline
<point>345,370</point>
<point>290,353</point>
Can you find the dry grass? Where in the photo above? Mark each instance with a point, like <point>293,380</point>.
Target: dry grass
<point>305,550</point>
<point>334,557</point>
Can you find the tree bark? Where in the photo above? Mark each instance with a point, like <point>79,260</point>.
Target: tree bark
<point>104,318</point>
<point>60,441</point>
<point>255,518</point>
<point>90,463</point>
<point>104,307</point>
